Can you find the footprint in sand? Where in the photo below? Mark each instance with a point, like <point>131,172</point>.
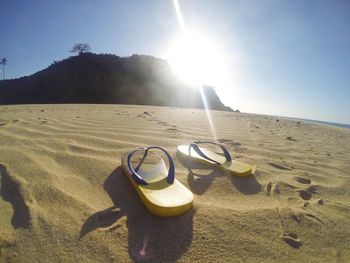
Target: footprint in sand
<point>173,132</point>
<point>281,166</point>
<point>164,123</point>
<point>296,218</point>
<point>229,142</point>
<point>106,220</point>
<point>303,180</point>
<point>147,113</point>
<point>3,122</point>
<point>307,194</point>
<point>272,189</point>
<point>290,138</point>
<point>314,218</point>
<point>292,240</point>
<point>150,117</point>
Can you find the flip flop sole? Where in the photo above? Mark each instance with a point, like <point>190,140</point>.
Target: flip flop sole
<point>234,167</point>
<point>160,197</point>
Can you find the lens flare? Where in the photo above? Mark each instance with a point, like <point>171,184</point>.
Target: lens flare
<point>207,111</point>
<point>196,60</point>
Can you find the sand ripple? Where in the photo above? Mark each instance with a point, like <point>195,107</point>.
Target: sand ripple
<point>64,197</point>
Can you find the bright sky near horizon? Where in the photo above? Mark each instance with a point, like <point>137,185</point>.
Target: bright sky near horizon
<point>286,58</point>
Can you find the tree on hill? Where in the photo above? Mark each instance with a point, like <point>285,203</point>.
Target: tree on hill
<point>3,62</point>
<point>80,48</point>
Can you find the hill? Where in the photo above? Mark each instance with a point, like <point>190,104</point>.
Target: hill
<point>104,78</point>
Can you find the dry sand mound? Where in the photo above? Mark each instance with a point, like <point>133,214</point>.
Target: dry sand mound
<point>63,197</point>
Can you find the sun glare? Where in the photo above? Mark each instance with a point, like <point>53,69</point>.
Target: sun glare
<point>196,60</point>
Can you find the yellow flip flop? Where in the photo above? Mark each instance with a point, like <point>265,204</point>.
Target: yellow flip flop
<point>157,187</point>
<point>194,152</point>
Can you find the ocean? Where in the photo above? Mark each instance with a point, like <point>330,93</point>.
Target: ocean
<point>325,122</point>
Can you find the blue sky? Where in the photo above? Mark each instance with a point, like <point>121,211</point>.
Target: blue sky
<point>288,58</point>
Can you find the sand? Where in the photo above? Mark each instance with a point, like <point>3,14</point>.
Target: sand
<point>64,198</point>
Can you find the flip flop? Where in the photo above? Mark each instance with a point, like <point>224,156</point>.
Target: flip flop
<point>157,187</point>
<point>194,152</point>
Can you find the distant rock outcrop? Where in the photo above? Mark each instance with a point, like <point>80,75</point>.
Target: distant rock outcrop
<point>92,78</point>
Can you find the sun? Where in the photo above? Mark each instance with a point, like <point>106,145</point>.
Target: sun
<point>196,59</point>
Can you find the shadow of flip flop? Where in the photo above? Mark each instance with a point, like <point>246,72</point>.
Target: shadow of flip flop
<point>150,238</point>
<point>200,182</point>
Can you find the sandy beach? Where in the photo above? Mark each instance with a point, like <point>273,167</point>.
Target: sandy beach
<point>64,198</point>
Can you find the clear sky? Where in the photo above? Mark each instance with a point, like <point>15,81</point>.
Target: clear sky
<point>288,58</point>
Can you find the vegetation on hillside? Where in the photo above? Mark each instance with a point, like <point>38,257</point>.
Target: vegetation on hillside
<point>105,78</point>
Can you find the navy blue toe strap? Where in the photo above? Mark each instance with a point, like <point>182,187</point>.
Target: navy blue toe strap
<point>138,178</point>
<point>196,148</point>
